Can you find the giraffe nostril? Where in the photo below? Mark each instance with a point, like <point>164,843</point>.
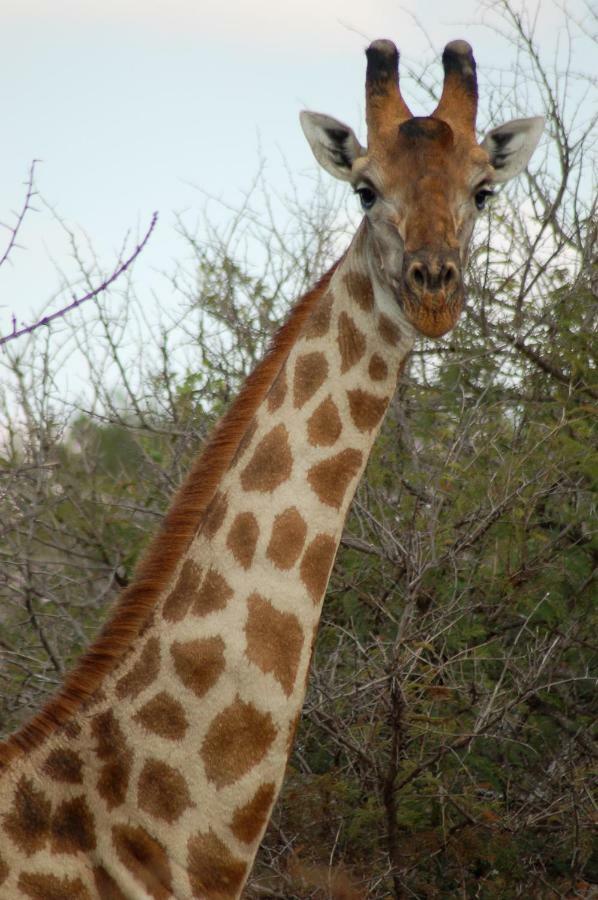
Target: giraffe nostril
<point>417,276</point>
<point>450,276</point>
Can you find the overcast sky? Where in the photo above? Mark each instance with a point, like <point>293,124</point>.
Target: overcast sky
<point>129,103</point>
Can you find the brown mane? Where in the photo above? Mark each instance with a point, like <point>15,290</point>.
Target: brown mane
<point>157,566</point>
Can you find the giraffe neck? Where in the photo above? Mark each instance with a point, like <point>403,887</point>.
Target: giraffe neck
<point>171,772</point>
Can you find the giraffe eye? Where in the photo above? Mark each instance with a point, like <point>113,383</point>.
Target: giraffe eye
<point>367,197</point>
<point>481,197</point>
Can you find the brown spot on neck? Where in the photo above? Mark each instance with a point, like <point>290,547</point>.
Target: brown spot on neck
<point>377,369</point>
<point>330,479</point>
<point>274,641</point>
<point>110,737</point>
<point>73,827</point>
<point>199,663</point>
<point>250,820</point>
<point>164,716</point>
<point>214,594</point>
<point>360,288</point>
<point>64,765</point>
<point>389,332</point>
<point>311,371</point>
<point>288,536</point>
<point>271,463</point>
<point>106,886</point>
<point>319,321</point>
<point>316,565</point>
<point>113,779</point>
<point>324,426</point>
<point>162,791</point>
<point>145,858</point>
<point>28,822</point>
<point>366,409</point>
<point>237,740</point>
<point>351,342</point>
<point>213,870</point>
<point>242,538</point>
<point>46,886</point>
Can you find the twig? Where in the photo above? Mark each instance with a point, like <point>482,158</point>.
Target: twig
<point>77,301</point>
<point>26,207</point>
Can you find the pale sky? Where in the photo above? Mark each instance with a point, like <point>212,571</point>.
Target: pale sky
<point>129,103</point>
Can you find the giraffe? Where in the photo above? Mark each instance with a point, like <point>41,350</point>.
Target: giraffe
<point>153,772</point>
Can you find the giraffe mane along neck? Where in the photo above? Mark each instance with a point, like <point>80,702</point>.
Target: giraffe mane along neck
<point>181,523</point>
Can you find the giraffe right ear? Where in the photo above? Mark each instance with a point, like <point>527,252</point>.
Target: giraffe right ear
<point>333,144</point>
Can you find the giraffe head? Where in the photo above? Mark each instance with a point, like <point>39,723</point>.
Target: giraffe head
<point>422,180</point>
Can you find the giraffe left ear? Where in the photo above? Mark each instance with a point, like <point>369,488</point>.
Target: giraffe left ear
<point>334,145</point>
<point>510,146</point>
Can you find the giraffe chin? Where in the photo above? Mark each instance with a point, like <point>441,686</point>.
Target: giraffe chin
<point>434,315</point>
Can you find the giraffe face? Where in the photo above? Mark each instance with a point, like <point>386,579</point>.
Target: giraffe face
<point>422,181</point>
<point>422,188</point>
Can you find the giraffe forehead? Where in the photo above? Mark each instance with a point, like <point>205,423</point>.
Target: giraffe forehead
<point>423,152</point>
<point>421,132</point>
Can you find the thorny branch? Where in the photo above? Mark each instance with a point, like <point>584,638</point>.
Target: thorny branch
<point>30,192</point>
<point>78,301</point>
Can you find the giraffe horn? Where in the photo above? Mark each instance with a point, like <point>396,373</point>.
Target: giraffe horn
<point>459,101</point>
<point>385,107</point>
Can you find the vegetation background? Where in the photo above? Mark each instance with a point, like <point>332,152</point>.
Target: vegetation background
<point>446,747</point>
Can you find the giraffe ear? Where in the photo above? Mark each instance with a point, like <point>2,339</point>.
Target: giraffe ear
<point>510,146</point>
<point>333,144</point>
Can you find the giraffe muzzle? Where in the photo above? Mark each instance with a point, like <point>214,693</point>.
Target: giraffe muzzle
<point>432,289</point>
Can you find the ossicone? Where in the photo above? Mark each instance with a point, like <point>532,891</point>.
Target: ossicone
<point>458,103</point>
<point>385,107</point>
